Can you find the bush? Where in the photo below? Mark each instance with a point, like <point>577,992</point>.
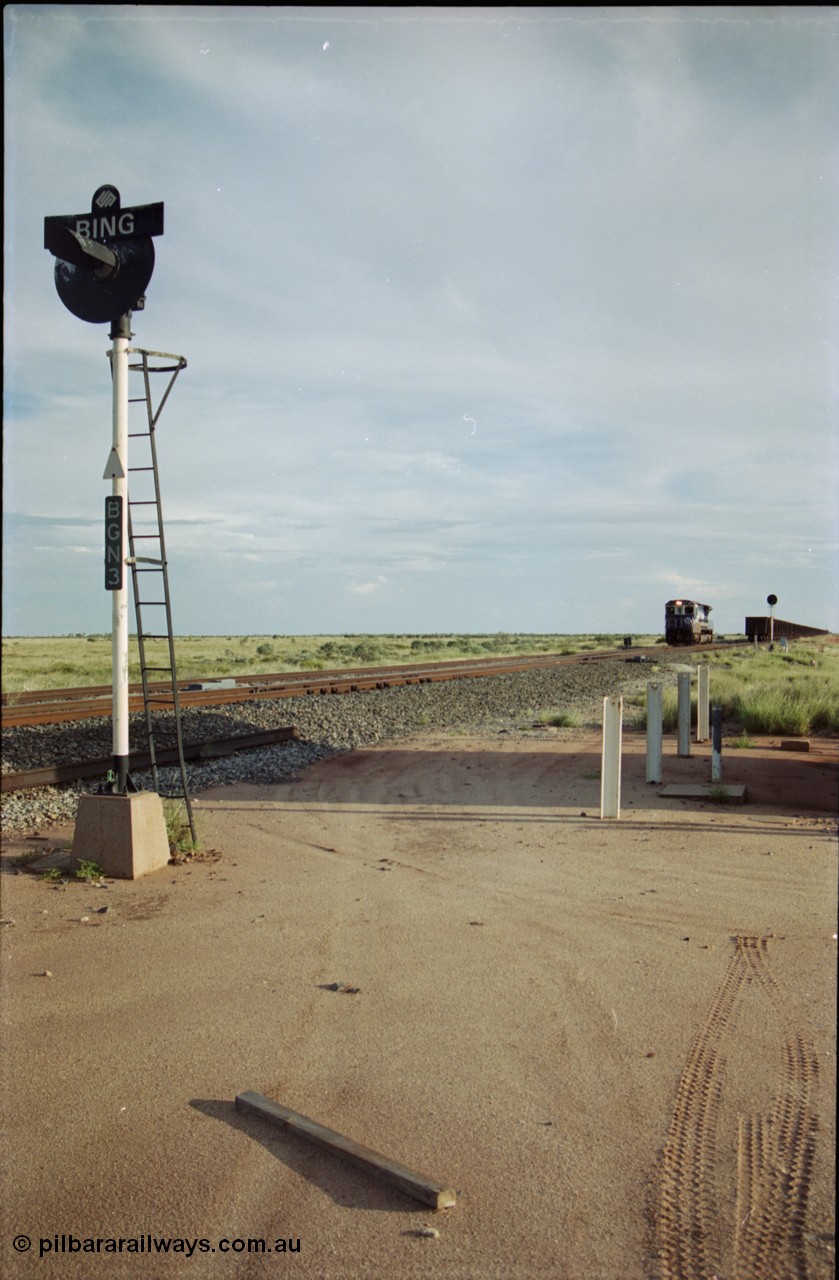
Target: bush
<point>771,694</point>
<point>562,719</point>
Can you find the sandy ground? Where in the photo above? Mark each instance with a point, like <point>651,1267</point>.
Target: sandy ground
<point>614,1040</point>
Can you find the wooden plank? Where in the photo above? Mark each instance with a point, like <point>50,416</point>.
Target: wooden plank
<point>413,1184</point>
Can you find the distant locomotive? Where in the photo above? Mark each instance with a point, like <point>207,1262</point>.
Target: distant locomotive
<point>687,622</point>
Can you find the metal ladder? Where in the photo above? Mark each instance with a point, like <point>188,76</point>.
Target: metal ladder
<point>149,574</point>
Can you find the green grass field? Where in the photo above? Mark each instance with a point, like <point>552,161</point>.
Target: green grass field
<point>777,692</point>
<point>57,662</point>
<point>772,692</point>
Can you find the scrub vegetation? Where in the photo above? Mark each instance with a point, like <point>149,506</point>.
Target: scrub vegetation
<point>773,691</point>
<point>56,662</point>
<point>793,691</point>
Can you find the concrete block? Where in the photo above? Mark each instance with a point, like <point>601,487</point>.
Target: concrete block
<point>795,744</point>
<point>125,835</point>
<point>736,791</point>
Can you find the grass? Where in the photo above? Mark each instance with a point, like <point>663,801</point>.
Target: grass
<point>178,830</point>
<point>87,870</point>
<point>55,662</point>
<point>561,719</point>
<point>768,693</point>
<point>772,693</point>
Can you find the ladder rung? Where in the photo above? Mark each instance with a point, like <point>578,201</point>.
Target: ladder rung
<point>141,468</point>
<point>142,502</point>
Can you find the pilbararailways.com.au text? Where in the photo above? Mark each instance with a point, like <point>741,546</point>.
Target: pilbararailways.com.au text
<point>152,1244</point>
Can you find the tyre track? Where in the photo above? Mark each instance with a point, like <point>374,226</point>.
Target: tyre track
<point>775,1160</point>
<point>774,1153</point>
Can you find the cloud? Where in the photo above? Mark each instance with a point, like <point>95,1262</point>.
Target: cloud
<point>368,588</point>
<point>469,300</point>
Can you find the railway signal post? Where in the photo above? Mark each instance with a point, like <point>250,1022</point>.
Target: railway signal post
<point>104,262</point>
<point>771,600</point>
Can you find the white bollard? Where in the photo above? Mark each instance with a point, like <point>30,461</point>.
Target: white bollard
<point>716,747</point>
<point>654,722</point>
<point>610,770</point>
<point>702,702</point>
<point>684,713</point>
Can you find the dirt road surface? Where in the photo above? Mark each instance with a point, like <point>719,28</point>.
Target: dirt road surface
<point>615,1040</point>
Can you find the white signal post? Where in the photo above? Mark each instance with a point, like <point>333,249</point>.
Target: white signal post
<point>102,283</point>
<point>104,261</point>
<point>117,470</point>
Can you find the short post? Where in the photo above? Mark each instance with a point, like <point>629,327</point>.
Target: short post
<point>684,713</point>
<point>654,723</point>
<point>610,771</point>
<point>716,746</point>
<point>702,703</point>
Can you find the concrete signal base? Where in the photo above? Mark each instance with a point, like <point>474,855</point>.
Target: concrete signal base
<point>124,834</point>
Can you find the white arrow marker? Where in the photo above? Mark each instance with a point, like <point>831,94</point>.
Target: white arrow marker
<point>113,467</point>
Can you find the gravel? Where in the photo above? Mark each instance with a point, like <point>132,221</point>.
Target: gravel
<point>327,724</point>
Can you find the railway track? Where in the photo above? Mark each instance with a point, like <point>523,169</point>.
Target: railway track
<point>54,706</point>
<point>57,706</point>
<point>55,775</point>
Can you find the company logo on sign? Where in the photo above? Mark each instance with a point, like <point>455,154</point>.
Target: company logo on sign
<point>107,219</point>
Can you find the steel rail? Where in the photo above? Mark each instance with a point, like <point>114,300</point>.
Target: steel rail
<point>26,697</point>
<point>54,775</point>
<point>59,706</point>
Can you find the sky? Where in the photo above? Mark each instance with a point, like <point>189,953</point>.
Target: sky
<point>496,319</point>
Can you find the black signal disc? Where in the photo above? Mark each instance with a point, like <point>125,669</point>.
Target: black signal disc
<point>99,301</point>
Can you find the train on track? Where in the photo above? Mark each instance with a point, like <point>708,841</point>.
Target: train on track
<point>687,622</point>
<point>763,629</point>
